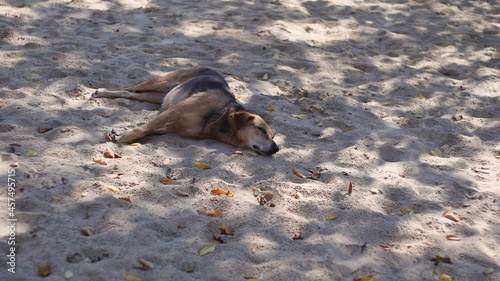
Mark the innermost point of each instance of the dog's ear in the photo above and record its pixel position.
(241, 118)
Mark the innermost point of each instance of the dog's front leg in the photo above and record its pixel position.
(161, 124)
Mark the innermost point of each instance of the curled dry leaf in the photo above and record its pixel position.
(298, 196)
(87, 231)
(298, 174)
(181, 193)
(101, 162)
(211, 213)
(44, 270)
(445, 277)
(43, 130)
(125, 198)
(298, 236)
(450, 215)
(128, 277)
(226, 229)
(112, 189)
(145, 264)
(206, 250)
(444, 259)
(264, 197)
(452, 237)
(107, 137)
(201, 165)
(166, 181)
(217, 240)
(270, 107)
(110, 154)
(220, 191)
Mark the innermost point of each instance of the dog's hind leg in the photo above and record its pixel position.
(161, 124)
(152, 97)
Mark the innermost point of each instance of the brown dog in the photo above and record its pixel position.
(195, 103)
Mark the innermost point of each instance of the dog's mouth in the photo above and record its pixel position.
(273, 149)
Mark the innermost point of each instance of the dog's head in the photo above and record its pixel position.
(254, 133)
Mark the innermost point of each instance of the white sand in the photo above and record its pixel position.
(359, 64)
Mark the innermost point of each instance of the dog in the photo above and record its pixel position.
(195, 103)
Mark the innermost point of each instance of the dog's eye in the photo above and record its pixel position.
(263, 130)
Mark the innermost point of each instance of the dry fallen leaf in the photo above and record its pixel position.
(368, 277)
(314, 175)
(444, 277)
(349, 190)
(331, 217)
(270, 107)
(87, 231)
(263, 197)
(125, 198)
(201, 165)
(166, 181)
(450, 215)
(107, 137)
(211, 213)
(251, 278)
(407, 211)
(253, 153)
(437, 259)
(100, 162)
(135, 144)
(386, 248)
(375, 191)
(421, 96)
(346, 129)
(452, 237)
(112, 189)
(436, 152)
(128, 277)
(297, 173)
(145, 264)
(238, 152)
(44, 270)
(298, 236)
(206, 250)
(57, 199)
(110, 154)
(181, 193)
(31, 154)
(219, 191)
(217, 240)
(43, 130)
(226, 229)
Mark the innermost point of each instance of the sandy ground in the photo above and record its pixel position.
(376, 86)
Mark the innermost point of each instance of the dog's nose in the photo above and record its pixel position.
(274, 148)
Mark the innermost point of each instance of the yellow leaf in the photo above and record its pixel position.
(421, 96)
(38, 82)
(166, 181)
(407, 211)
(436, 152)
(31, 154)
(445, 277)
(346, 129)
(57, 199)
(364, 278)
(206, 250)
(302, 98)
(331, 217)
(270, 107)
(44, 270)
(128, 277)
(419, 116)
(220, 191)
(300, 116)
(253, 153)
(135, 144)
(226, 229)
(201, 165)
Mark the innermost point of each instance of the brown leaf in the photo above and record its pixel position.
(251, 278)
(297, 173)
(298, 236)
(452, 237)
(107, 137)
(211, 213)
(108, 153)
(349, 190)
(44, 270)
(145, 264)
(444, 259)
(217, 240)
(314, 175)
(450, 215)
(43, 130)
(226, 230)
(100, 162)
(386, 248)
(87, 231)
(125, 198)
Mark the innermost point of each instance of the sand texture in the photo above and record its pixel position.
(398, 98)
